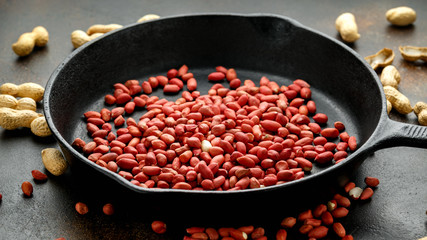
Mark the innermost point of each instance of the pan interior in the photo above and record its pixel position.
(280, 49)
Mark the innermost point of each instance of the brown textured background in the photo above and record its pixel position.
(397, 210)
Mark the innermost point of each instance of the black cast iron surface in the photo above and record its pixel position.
(397, 210)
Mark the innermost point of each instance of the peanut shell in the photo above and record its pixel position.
(53, 161)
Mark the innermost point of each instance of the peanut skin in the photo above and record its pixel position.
(346, 26)
(26, 42)
(11, 119)
(53, 161)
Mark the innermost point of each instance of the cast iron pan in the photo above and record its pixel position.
(343, 84)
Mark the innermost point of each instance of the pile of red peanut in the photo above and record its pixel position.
(230, 139)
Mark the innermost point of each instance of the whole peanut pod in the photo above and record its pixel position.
(79, 37)
(346, 26)
(26, 103)
(390, 76)
(53, 161)
(40, 128)
(31, 90)
(399, 101)
(8, 101)
(26, 42)
(11, 119)
(420, 110)
(9, 88)
(148, 17)
(99, 28)
(401, 16)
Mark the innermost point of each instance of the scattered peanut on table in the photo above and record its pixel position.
(27, 188)
(382, 58)
(38, 176)
(11, 119)
(401, 16)
(10, 101)
(81, 208)
(390, 76)
(26, 42)
(108, 209)
(26, 103)
(158, 227)
(399, 101)
(40, 128)
(53, 161)
(412, 53)
(420, 110)
(347, 27)
(29, 89)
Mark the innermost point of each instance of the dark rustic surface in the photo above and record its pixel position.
(397, 210)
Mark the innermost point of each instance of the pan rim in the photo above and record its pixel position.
(116, 177)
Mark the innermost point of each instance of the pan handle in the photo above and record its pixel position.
(393, 134)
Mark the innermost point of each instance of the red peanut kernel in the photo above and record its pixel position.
(372, 181)
(349, 186)
(108, 209)
(281, 234)
(39, 176)
(81, 208)
(339, 229)
(288, 222)
(318, 232)
(27, 188)
(158, 227)
(366, 194)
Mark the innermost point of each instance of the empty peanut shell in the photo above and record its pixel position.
(411, 53)
(382, 58)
